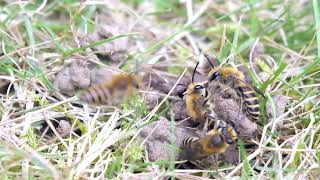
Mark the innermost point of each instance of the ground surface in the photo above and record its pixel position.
(51, 51)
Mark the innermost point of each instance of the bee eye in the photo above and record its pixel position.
(197, 87)
(214, 76)
(229, 141)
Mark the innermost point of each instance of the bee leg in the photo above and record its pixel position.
(205, 127)
(197, 163)
(211, 121)
(241, 105)
(216, 159)
(218, 124)
(225, 133)
(241, 108)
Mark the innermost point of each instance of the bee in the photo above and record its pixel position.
(216, 141)
(196, 97)
(111, 91)
(236, 79)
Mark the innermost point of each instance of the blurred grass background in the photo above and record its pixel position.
(37, 36)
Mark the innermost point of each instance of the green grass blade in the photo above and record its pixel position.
(94, 44)
(276, 74)
(29, 30)
(317, 20)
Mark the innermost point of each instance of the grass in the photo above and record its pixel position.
(38, 37)
(317, 20)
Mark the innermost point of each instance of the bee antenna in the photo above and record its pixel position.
(194, 72)
(181, 85)
(208, 59)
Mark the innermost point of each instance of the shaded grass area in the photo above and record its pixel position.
(279, 39)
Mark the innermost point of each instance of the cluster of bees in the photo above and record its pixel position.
(219, 135)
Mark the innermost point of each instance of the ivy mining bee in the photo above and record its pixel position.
(235, 79)
(111, 91)
(196, 96)
(216, 141)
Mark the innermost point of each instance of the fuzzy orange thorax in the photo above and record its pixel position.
(228, 72)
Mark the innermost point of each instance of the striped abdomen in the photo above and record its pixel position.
(97, 94)
(113, 91)
(251, 102)
(192, 149)
(188, 140)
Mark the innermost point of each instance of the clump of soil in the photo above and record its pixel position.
(81, 74)
(226, 107)
(162, 134)
(162, 83)
(179, 109)
(115, 50)
(152, 98)
(64, 127)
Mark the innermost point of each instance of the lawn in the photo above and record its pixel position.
(55, 124)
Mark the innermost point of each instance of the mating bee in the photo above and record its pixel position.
(196, 98)
(236, 79)
(216, 140)
(112, 91)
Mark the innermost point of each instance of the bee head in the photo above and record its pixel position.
(199, 88)
(196, 88)
(135, 82)
(214, 74)
(229, 134)
(216, 141)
